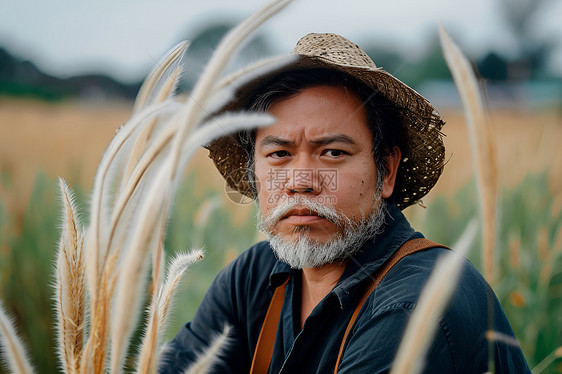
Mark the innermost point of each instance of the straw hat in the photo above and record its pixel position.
(422, 157)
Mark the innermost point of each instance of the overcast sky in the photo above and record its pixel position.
(124, 37)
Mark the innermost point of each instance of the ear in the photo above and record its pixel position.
(392, 162)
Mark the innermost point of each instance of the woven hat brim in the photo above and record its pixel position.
(423, 152)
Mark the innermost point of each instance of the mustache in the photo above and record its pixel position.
(324, 211)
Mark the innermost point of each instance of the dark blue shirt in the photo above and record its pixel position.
(240, 296)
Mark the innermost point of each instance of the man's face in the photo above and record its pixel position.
(320, 150)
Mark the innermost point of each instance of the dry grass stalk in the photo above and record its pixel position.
(482, 143)
(70, 287)
(159, 307)
(206, 361)
(203, 90)
(152, 215)
(132, 279)
(166, 91)
(547, 361)
(430, 306)
(158, 199)
(548, 254)
(158, 261)
(172, 59)
(96, 244)
(145, 232)
(95, 351)
(10, 343)
(103, 294)
(171, 63)
(225, 89)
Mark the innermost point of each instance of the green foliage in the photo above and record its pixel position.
(531, 228)
(528, 265)
(27, 269)
(23, 90)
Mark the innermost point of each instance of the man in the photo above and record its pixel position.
(351, 147)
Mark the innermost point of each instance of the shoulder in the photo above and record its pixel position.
(405, 281)
(461, 337)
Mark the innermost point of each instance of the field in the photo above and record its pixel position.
(68, 140)
(39, 142)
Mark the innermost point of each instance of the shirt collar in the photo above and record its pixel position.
(395, 231)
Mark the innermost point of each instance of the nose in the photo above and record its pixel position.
(303, 180)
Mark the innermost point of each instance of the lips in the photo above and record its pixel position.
(300, 212)
(301, 216)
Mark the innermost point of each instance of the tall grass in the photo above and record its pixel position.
(482, 144)
(440, 286)
(131, 201)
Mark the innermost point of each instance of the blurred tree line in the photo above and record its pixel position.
(529, 60)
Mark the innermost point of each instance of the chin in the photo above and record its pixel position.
(306, 231)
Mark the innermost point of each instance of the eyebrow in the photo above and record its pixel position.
(274, 140)
(339, 138)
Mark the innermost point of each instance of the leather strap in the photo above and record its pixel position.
(266, 340)
(411, 246)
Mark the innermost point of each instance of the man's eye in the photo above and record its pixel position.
(334, 152)
(279, 154)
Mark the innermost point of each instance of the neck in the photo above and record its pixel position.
(316, 284)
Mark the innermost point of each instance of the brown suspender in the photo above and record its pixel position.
(266, 340)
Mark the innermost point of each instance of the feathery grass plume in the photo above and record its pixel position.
(210, 357)
(129, 223)
(547, 361)
(169, 63)
(181, 152)
(204, 89)
(224, 91)
(482, 142)
(95, 351)
(132, 278)
(101, 270)
(151, 215)
(150, 93)
(159, 307)
(204, 86)
(14, 350)
(70, 287)
(432, 302)
(96, 250)
(149, 159)
(158, 264)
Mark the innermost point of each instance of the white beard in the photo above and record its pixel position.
(305, 252)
